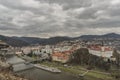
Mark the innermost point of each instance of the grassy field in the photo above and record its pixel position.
(79, 70)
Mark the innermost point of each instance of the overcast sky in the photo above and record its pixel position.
(48, 18)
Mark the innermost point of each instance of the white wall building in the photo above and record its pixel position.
(104, 51)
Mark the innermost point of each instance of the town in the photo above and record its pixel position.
(77, 57)
(59, 39)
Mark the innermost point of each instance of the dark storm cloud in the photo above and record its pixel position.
(45, 18)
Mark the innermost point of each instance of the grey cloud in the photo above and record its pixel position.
(68, 4)
(45, 18)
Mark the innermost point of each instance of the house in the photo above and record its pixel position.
(62, 57)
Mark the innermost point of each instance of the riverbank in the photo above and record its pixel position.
(79, 70)
(36, 73)
(46, 68)
(39, 74)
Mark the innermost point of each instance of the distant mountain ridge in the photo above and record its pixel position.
(44, 41)
(109, 35)
(26, 41)
(13, 42)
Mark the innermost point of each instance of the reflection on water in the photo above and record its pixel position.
(21, 67)
(18, 64)
(14, 60)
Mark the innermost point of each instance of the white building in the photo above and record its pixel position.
(62, 49)
(102, 51)
(47, 49)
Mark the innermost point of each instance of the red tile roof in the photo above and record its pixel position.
(99, 48)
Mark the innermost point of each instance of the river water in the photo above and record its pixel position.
(32, 73)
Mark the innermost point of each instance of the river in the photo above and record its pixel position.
(32, 73)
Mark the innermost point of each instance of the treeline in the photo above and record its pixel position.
(117, 56)
(83, 57)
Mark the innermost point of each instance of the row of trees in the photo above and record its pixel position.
(117, 56)
(83, 57)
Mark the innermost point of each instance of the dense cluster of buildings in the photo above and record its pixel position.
(62, 52)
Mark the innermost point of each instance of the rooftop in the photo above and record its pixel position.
(100, 48)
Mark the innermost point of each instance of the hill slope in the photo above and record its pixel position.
(25, 41)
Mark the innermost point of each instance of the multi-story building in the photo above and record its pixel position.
(62, 57)
(102, 51)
